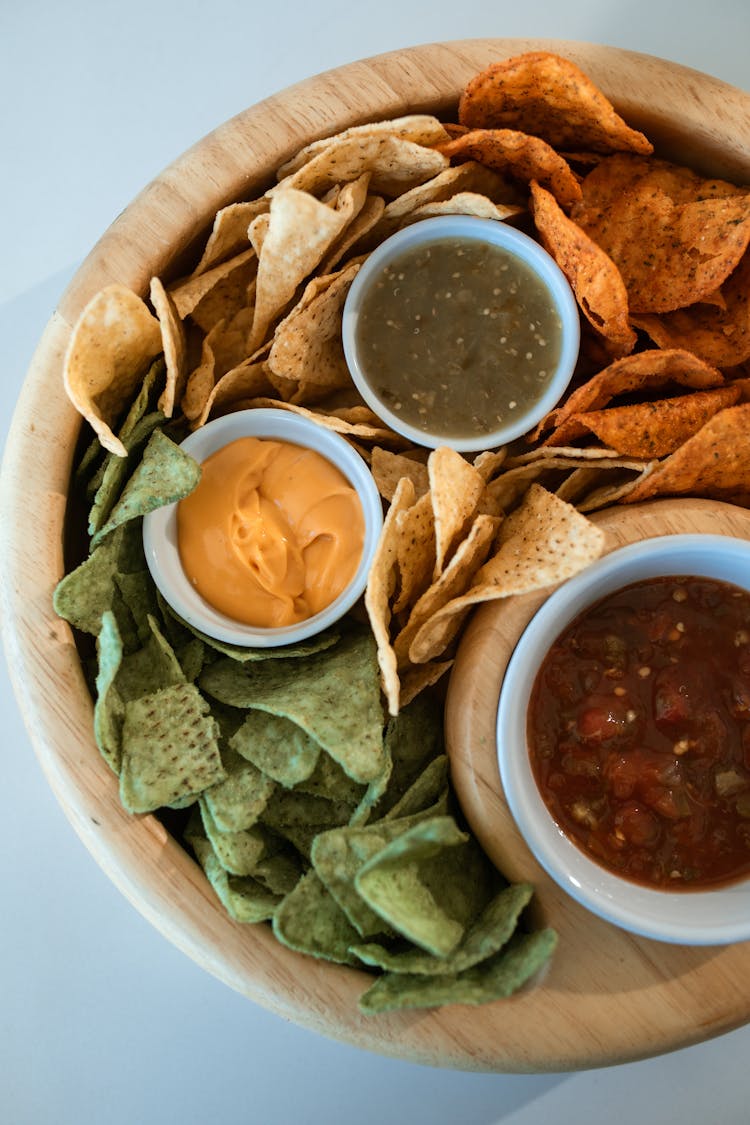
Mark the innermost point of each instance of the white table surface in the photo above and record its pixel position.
(101, 1019)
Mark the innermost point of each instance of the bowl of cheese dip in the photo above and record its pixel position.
(275, 542)
(461, 331)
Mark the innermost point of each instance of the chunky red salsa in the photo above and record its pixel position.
(639, 732)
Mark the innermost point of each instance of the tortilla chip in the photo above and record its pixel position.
(235, 273)
(542, 543)
(174, 346)
(421, 128)
(395, 163)
(307, 351)
(300, 231)
(593, 276)
(674, 236)
(380, 586)
(656, 429)
(714, 462)
(415, 551)
(550, 97)
(456, 488)
(717, 332)
(388, 468)
(521, 156)
(640, 372)
(229, 233)
(464, 203)
(111, 346)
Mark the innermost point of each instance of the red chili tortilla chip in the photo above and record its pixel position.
(714, 462)
(674, 236)
(636, 373)
(542, 93)
(594, 277)
(718, 332)
(521, 156)
(656, 429)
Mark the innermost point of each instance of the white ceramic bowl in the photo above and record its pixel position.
(481, 230)
(160, 527)
(706, 917)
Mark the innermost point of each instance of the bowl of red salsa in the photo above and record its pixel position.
(623, 736)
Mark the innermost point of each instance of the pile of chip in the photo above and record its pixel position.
(329, 813)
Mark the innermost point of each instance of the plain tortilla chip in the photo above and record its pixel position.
(112, 344)
(542, 93)
(307, 353)
(714, 462)
(174, 346)
(300, 231)
(380, 586)
(542, 543)
(421, 128)
(229, 233)
(456, 488)
(593, 276)
(415, 551)
(387, 469)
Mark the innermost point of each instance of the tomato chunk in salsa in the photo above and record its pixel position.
(639, 732)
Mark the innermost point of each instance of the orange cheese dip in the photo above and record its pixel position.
(272, 534)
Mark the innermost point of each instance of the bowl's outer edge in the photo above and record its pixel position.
(149, 868)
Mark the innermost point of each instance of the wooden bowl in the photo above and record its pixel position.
(608, 997)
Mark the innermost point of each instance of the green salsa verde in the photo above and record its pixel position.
(458, 336)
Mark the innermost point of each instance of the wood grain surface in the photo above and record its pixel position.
(608, 997)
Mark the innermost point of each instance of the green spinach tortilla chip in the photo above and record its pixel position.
(169, 749)
(494, 979)
(245, 899)
(109, 709)
(338, 855)
(310, 921)
(392, 884)
(84, 595)
(277, 746)
(164, 475)
(237, 802)
(239, 853)
(150, 668)
(116, 470)
(486, 936)
(333, 695)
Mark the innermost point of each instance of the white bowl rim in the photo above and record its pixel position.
(718, 915)
(501, 234)
(160, 527)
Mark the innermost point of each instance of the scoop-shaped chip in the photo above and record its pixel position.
(542, 93)
(674, 236)
(110, 349)
(521, 156)
(593, 276)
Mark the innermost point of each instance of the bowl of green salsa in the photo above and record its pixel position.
(461, 331)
